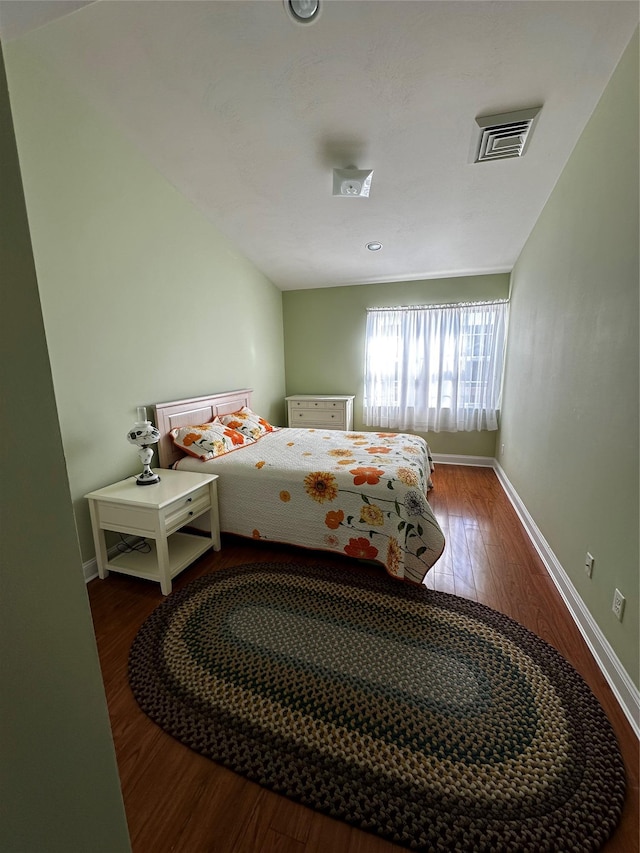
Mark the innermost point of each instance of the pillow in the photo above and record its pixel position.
(248, 423)
(206, 441)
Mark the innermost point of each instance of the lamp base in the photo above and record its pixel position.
(147, 478)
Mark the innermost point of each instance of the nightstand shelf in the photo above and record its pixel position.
(183, 549)
(157, 513)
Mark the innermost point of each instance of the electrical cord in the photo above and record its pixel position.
(140, 545)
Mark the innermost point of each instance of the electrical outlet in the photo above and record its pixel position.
(502, 449)
(618, 604)
(588, 564)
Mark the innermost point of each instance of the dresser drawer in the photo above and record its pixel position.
(321, 418)
(185, 508)
(318, 404)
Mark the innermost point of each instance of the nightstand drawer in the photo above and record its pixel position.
(179, 512)
(128, 519)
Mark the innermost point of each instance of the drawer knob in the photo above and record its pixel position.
(191, 512)
(189, 500)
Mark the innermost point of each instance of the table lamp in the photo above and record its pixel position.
(143, 434)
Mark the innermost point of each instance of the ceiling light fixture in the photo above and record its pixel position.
(303, 11)
(352, 183)
(374, 246)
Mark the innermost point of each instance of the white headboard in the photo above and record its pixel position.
(196, 410)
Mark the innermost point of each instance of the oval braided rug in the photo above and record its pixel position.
(432, 720)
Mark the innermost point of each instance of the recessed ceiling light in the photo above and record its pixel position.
(303, 11)
(374, 246)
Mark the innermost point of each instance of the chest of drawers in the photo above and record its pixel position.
(320, 411)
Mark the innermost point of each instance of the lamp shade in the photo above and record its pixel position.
(143, 433)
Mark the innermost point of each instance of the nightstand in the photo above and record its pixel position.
(157, 513)
(320, 411)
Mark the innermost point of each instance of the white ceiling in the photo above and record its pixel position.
(247, 113)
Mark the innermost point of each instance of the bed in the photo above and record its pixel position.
(362, 494)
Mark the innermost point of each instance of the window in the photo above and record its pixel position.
(435, 368)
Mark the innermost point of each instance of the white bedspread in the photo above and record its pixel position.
(360, 494)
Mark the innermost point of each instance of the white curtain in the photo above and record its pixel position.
(435, 368)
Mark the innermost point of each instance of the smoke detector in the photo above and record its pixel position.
(352, 183)
(504, 136)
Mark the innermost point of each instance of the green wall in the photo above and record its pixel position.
(570, 408)
(143, 300)
(324, 340)
(59, 788)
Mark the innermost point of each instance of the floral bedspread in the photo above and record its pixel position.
(360, 494)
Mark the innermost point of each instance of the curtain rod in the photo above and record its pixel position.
(440, 305)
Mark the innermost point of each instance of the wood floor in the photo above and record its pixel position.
(176, 800)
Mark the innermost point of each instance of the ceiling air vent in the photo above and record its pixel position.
(505, 135)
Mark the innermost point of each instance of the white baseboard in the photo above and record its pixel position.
(623, 687)
(461, 459)
(90, 567)
(90, 570)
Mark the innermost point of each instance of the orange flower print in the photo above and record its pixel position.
(332, 540)
(409, 449)
(256, 534)
(216, 446)
(265, 425)
(372, 515)
(370, 476)
(346, 462)
(378, 450)
(234, 424)
(334, 519)
(290, 443)
(394, 553)
(190, 438)
(321, 486)
(235, 436)
(285, 497)
(407, 476)
(340, 452)
(356, 435)
(361, 548)
(386, 434)
(260, 464)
